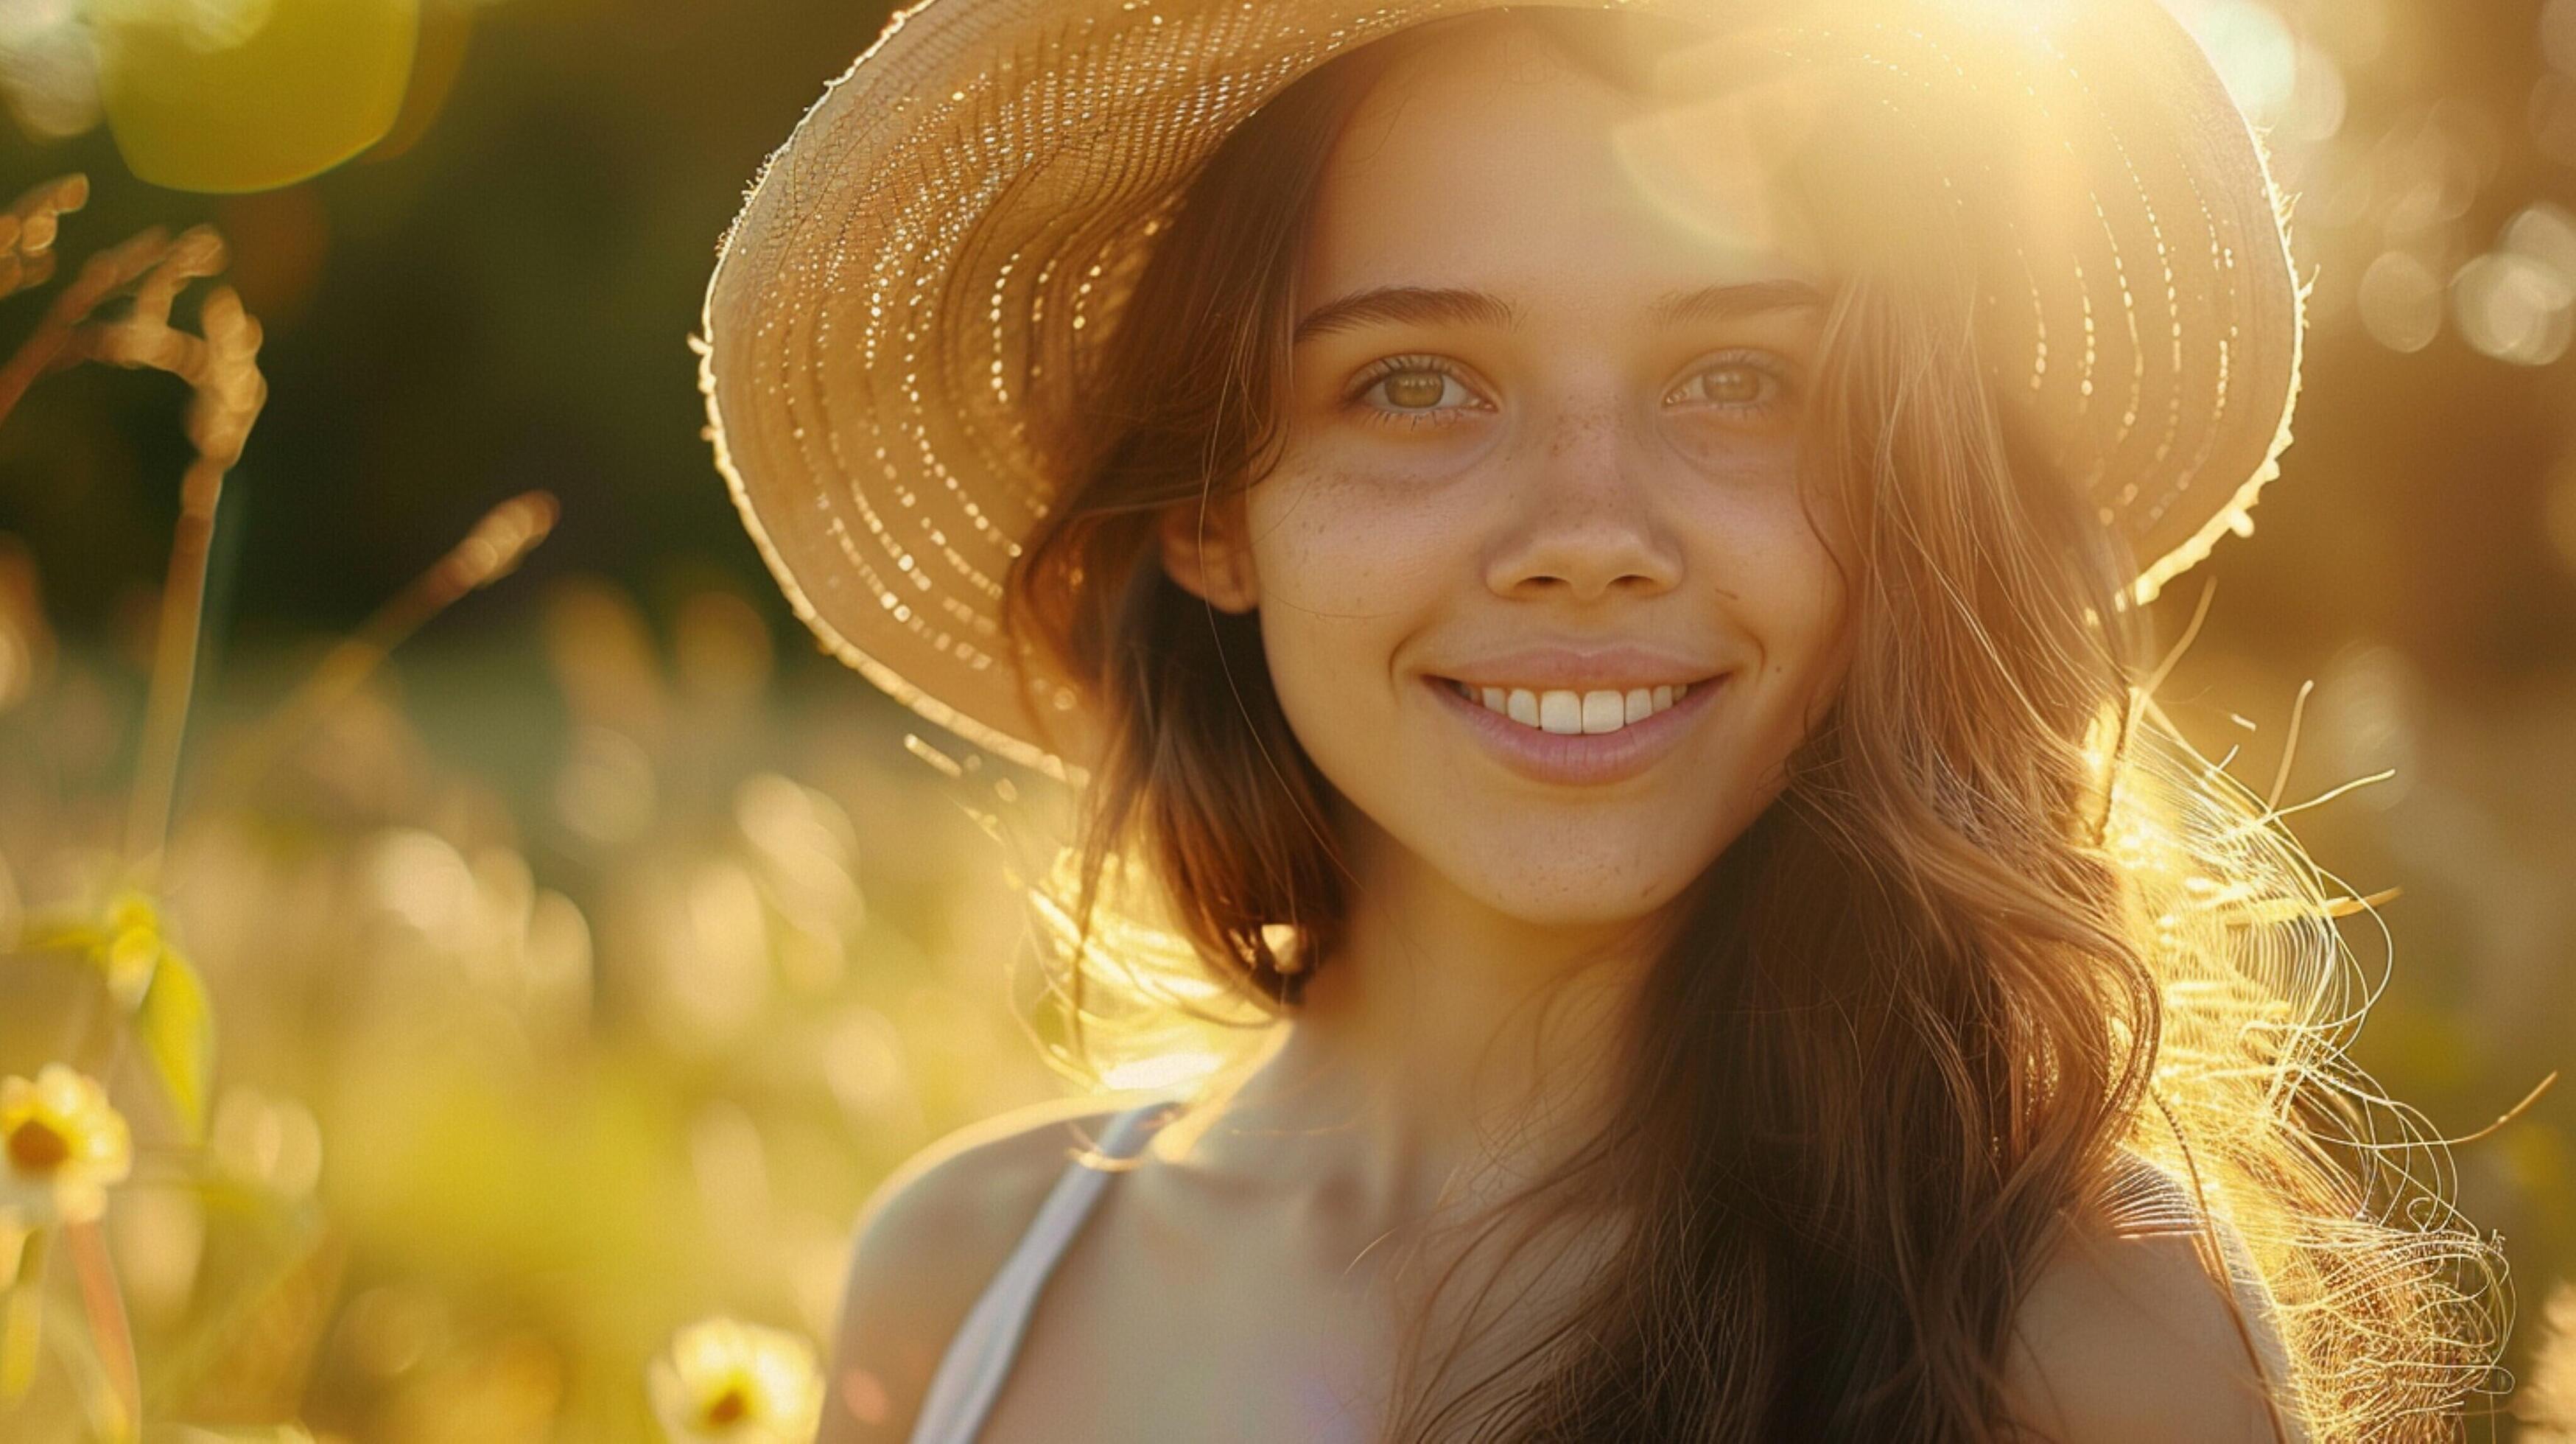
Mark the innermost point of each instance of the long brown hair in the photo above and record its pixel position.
(2001, 927)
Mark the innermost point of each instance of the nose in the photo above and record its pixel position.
(1582, 523)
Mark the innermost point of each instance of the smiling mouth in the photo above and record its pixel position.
(1567, 711)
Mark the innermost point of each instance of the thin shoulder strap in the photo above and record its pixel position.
(979, 1358)
(2142, 1200)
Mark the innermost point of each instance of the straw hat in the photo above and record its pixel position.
(924, 270)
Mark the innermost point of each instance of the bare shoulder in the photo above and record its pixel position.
(2133, 1333)
(929, 1240)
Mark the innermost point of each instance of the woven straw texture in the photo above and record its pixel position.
(922, 277)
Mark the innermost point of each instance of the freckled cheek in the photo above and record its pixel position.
(1348, 576)
(1760, 552)
(1810, 592)
(1363, 551)
(1810, 656)
(1764, 456)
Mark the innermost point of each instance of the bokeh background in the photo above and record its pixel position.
(581, 971)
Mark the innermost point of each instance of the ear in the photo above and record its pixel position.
(1205, 550)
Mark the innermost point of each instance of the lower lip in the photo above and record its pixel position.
(1578, 759)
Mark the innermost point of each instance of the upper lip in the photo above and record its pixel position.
(1622, 668)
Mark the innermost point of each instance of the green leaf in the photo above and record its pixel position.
(177, 1026)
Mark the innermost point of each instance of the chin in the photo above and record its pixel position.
(1573, 886)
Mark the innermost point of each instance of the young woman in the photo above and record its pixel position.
(1590, 566)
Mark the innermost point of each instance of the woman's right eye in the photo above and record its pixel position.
(1410, 392)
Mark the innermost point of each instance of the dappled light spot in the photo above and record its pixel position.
(244, 95)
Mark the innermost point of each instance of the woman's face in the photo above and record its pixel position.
(1538, 587)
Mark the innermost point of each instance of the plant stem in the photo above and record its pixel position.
(495, 547)
(26, 1319)
(101, 277)
(105, 1304)
(174, 667)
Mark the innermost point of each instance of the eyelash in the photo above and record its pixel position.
(1411, 418)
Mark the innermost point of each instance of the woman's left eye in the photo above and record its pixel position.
(1736, 384)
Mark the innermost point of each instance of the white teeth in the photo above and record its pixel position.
(1567, 712)
(1604, 711)
(1560, 712)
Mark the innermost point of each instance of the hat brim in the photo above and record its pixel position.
(922, 274)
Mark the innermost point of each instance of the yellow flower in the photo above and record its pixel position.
(126, 946)
(61, 1146)
(725, 1380)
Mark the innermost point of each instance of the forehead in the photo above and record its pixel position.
(1492, 160)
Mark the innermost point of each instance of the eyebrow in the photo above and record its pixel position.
(1727, 303)
(1433, 305)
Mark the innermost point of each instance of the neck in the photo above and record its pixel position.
(1445, 1051)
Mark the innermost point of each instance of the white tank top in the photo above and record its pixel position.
(2142, 1200)
(978, 1360)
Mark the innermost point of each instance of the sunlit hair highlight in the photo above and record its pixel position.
(2008, 958)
